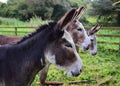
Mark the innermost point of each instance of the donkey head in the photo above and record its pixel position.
(75, 28)
(92, 35)
(64, 57)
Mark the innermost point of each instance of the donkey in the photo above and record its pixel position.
(36, 51)
(92, 35)
(76, 30)
(8, 39)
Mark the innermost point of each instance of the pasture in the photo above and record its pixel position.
(102, 69)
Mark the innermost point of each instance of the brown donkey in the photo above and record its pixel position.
(9, 39)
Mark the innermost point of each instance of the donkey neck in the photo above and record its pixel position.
(36, 41)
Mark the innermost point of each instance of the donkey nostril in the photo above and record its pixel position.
(86, 48)
(94, 53)
(80, 70)
(75, 74)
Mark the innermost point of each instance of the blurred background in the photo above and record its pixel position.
(19, 17)
(106, 12)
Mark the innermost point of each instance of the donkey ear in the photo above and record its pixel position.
(94, 29)
(66, 18)
(78, 13)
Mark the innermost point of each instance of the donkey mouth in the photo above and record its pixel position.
(93, 54)
(86, 48)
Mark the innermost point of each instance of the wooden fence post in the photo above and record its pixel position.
(16, 31)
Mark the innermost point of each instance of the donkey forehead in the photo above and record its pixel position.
(79, 24)
(92, 37)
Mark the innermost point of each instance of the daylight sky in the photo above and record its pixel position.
(4, 1)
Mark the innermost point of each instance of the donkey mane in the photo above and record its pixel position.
(39, 29)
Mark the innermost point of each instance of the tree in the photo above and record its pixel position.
(46, 9)
(107, 13)
(26, 9)
(116, 6)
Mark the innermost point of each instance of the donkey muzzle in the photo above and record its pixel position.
(93, 53)
(76, 73)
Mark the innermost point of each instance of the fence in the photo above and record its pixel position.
(110, 35)
(25, 30)
(16, 31)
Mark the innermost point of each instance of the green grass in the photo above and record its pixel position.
(102, 68)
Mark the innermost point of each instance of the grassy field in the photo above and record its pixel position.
(100, 70)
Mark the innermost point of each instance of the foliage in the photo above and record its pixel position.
(10, 22)
(116, 6)
(108, 14)
(26, 9)
(50, 9)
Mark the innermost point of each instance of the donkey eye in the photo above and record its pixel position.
(75, 20)
(68, 45)
(92, 40)
(79, 29)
